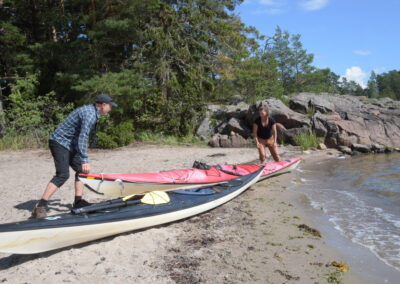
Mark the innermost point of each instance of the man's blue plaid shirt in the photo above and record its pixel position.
(73, 132)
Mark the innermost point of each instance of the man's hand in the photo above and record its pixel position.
(86, 168)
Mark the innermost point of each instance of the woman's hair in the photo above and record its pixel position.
(262, 106)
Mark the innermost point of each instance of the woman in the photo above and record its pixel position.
(265, 134)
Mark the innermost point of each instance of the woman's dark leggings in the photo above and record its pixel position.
(63, 159)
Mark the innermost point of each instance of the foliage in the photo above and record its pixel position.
(319, 81)
(292, 59)
(31, 119)
(258, 78)
(350, 88)
(134, 94)
(389, 84)
(13, 141)
(372, 89)
(162, 61)
(113, 136)
(306, 140)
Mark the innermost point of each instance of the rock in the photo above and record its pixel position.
(235, 100)
(239, 127)
(378, 148)
(227, 141)
(345, 149)
(290, 134)
(318, 124)
(340, 120)
(214, 140)
(322, 146)
(361, 148)
(306, 101)
(222, 114)
(355, 153)
(284, 115)
(224, 141)
(205, 129)
(239, 141)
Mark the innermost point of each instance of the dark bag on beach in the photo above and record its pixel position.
(201, 165)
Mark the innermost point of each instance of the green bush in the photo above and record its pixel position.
(306, 140)
(30, 119)
(110, 136)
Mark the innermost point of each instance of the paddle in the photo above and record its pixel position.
(152, 198)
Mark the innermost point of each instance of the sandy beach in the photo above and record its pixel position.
(262, 236)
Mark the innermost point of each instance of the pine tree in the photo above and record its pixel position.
(372, 86)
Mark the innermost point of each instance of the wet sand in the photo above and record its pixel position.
(262, 236)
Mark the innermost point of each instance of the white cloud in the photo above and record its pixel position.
(272, 11)
(356, 74)
(362, 52)
(313, 5)
(275, 7)
(269, 2)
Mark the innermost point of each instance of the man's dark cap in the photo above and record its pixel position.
(104, 98)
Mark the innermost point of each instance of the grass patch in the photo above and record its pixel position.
(160, 138)
(19, 142)
(306, 140)
(285, 100)
(311, 111)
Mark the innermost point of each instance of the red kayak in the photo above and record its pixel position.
(118, 185)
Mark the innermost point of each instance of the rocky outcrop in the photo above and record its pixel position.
(340, 121)
(349, 120)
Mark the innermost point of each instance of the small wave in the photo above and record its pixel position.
(388, 217)
(300, 170)
(384, 245)
(317, 205)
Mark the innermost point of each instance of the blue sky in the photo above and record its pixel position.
(351, 37)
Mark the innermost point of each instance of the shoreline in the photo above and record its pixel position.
(362, 259)
(254, 238)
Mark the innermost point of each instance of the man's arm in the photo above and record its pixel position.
(87, 124)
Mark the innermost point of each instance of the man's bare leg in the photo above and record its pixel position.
(79, 186)
(51, 188)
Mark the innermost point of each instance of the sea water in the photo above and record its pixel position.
(361, 198)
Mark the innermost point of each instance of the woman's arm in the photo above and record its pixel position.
(255, 128)
(274, 133)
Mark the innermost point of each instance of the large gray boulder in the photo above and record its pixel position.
(306, 101)
(234, 126)
(282, 114)
(230, 141)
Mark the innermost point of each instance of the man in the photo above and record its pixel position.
(68, 146)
